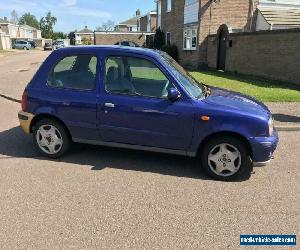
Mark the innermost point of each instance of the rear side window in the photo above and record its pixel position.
(74, 72)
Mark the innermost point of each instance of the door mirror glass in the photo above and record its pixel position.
(173, 94)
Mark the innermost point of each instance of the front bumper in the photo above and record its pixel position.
(263, 148)
(25, 121)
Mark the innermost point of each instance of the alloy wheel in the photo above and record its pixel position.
(224, 159)
(49, 139)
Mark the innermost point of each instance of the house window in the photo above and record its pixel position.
(190, 39)
(190, 2)
(168, 38)
(169, 5)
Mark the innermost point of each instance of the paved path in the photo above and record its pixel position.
(97, 198)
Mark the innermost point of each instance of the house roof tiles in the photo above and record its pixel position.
(281, 16)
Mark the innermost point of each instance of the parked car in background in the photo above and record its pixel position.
(32, 44)
(48, 46)
(127, 43)
(58, 44)
(142, 99)
(21, 44)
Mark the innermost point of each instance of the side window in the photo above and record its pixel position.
(135, 76)
(74, 72)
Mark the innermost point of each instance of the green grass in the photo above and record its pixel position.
(264, 90)
(148, 73)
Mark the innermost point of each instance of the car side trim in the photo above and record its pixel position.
(25, 121)
(261, 164)
(136, 147)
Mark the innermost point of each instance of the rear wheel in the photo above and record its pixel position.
(226, 158)
(51, 138)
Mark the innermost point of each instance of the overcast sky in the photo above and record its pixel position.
(75, 14)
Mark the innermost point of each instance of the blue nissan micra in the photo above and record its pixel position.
(142, 99)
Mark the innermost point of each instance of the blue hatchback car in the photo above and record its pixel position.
(142, 99)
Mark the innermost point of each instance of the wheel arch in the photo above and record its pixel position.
(225, 133)
(43, 116)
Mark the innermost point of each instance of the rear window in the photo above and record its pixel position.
(74, 72)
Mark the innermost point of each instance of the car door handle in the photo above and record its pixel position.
(109, 105)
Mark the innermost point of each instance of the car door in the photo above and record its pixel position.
(134, 108)
(18, 45)
(71, 93)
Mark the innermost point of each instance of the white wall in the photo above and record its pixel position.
(5, 42)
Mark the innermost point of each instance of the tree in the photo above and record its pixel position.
(109, 25)
(58, 35)
(159, 39)
(46, 24)
(14, 17)
(30, 20)
(71, 36)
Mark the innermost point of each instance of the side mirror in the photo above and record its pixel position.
(173, 94)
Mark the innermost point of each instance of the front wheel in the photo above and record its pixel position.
(51, 138)
(226, 158)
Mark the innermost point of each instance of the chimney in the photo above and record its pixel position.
(138, 13)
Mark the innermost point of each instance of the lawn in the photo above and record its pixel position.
(264, 90)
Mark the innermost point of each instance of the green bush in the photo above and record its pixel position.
(86, 41)
(159, 39)
(172, 50)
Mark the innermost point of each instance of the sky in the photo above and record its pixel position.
(75, 14)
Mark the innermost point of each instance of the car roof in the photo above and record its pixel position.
(92, 48)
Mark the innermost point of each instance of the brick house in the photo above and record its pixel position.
(147, 22)
(187, 24)
(129, 25)
(19, 31)
(84, 36)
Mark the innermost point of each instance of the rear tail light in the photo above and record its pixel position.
(24, 101)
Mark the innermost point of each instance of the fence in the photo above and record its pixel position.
(270, 54)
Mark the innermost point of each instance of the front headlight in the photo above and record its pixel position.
(271, 126)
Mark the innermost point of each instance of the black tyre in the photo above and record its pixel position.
(226, 158)
(51, 138)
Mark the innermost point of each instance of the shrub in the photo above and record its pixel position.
(159, 39)
(172, 50)
(86, 41)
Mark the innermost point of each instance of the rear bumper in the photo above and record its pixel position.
(25, 121)
(263, 148)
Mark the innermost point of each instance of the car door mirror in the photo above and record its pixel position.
(173, 94)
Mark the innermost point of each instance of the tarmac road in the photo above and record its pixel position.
(98, 197)
(17, 69)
